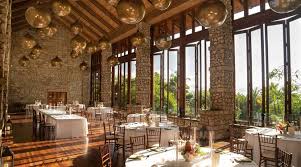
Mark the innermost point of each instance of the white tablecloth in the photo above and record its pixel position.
(101, 110)
(168, 159)
(291, 144)
(168, 132)
(69, 126)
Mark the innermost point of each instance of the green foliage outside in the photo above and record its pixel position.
(276, 98)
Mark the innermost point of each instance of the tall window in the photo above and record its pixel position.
(133, 82)
(95, 78)
(267, 70)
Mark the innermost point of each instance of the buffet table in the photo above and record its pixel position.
(167, 158)
(289, 143)
(168, 131)
(69, 126)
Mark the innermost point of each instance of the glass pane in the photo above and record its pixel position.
(276, 73)
(295, 40)
(165, 104)
(156, 82)
(256, 75)
(241, 77)
(172, 87)
(254, 6)
(126, 84)
(190, 81)
(116, 85)
(133, 82)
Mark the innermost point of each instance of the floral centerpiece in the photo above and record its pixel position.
(281, 127)
(190, 151)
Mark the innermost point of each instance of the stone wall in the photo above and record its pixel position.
(222, 90)
(33, 82)
(5, 52)
(143, 66)
(106, 78)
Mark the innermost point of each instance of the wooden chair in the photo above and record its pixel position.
(137, 143)
(120, 143)
(267, 149)
(109, 133)
(185, 133)
(106, 160)
(240, 147)
(237, 132)
(47, 130)
(284, 158)
(153, 136)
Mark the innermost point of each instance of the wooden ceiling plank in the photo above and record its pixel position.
(97, 16)
(105, 11)
(82, 14)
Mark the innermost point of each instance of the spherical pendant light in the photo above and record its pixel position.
(75, 54)
(163, 42)
(24, 61)
(104, 44)
(36, 52)
(284, 6)
(138, 40)
(211, 13)
(91, 48)
(78, 43)
(112, 2)
(28, 42)
(83, 66)
(56, 62)
(161, 4)
(61, 7)
(48, 31)
(76, 28)
(37, 17)
(112, 60)
(130, 11)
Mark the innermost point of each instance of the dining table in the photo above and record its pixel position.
(102, 111)
(69, 126)
(169, 131)
(170, 157)
(285, 142)
(140, 117)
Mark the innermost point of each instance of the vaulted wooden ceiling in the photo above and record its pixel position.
(99, 18)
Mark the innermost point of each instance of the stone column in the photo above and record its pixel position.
(106, 78)
(5, 47)
(143, 71)
(222, 91)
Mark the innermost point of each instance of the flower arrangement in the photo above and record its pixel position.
(190, 151)
(281, 127)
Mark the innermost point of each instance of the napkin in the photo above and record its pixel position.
(137, 157)
(242, 159)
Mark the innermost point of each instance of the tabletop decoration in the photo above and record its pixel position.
(191, 151)
(281, 127)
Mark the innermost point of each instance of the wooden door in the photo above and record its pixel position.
(54, 98)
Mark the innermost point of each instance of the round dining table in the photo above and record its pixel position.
(136, 117)
(288, 143)
(169, 131)
(167, 157)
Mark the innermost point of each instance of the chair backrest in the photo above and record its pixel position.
(107, 128)
(119, 133)
(105, 156)
(240, 146)
(153, 136)
(284, 158)
(267, 143)
(185, 132)
(137, 143)
(236, 132)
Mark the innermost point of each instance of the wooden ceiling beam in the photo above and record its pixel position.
(105, 11)
(96, 16)
(86, 18)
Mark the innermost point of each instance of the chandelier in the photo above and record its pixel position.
(164, 40)
(61, 7)
(133, 11)
(112, 60)
(48, 31)
(138, 39)
(284, 6)
(83, 66)
(76, 28)
(211, 13)
(104, 44)
(91, 48)
(24, 61)
(28, 41)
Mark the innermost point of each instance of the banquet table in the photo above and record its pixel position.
(69, 126)
(103, 111)
(168, 131)
(289, 143)
(167, 158)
